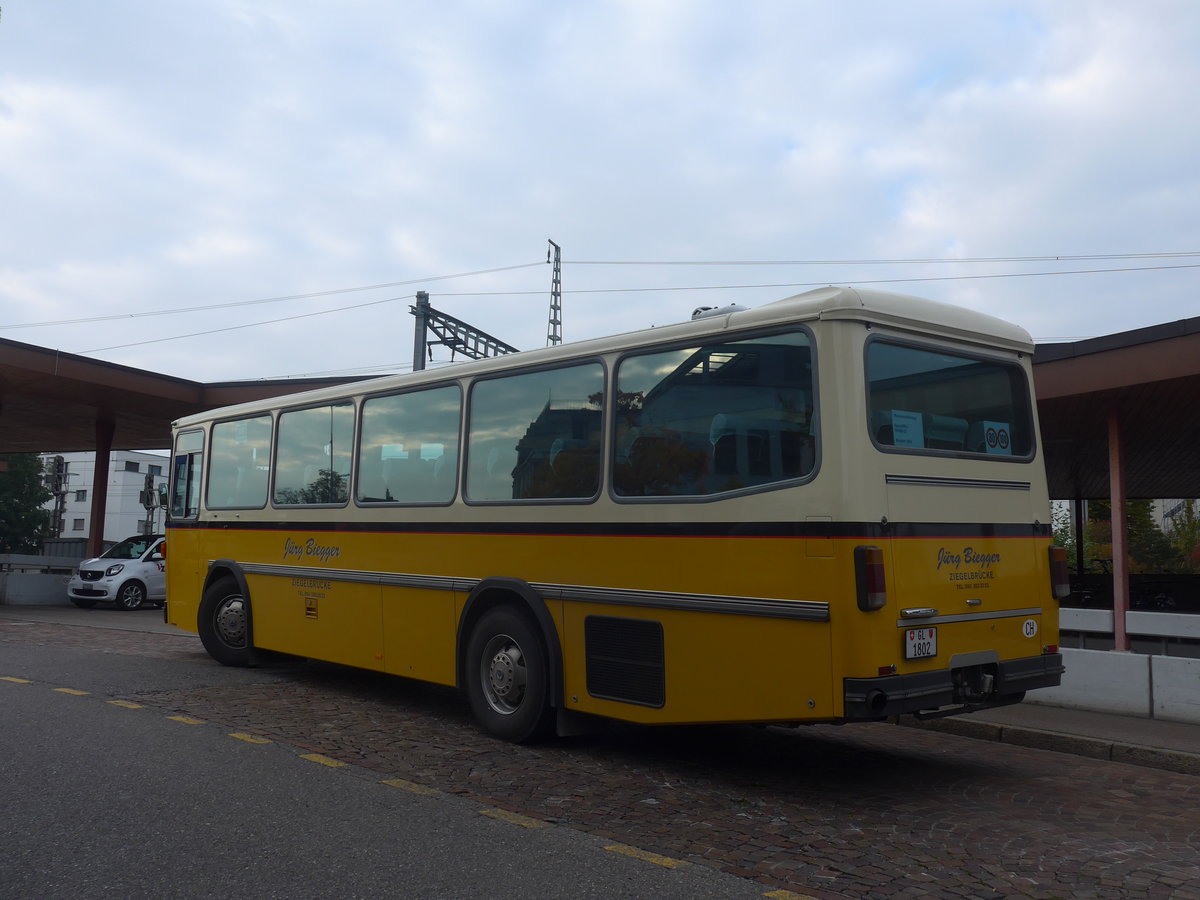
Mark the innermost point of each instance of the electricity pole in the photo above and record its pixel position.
(453, 333)
(554, 333)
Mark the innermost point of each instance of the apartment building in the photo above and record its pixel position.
(72, 477)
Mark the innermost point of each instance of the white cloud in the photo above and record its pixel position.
(159, 157)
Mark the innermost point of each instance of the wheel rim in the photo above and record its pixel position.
(131, 596)
(503, 674)
(230, 621)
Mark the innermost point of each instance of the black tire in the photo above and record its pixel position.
(507, 677)
(224, 623)
(83, 602)
(130, 596)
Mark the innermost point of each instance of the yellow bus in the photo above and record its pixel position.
(829, 508)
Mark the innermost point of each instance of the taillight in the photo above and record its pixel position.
(1060, 579)
(869, 578)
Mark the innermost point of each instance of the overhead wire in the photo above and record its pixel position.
(633, 290)
(777, 262)
(799, 284)
(236, 303)
(1169, 254)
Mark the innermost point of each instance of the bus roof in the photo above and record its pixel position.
(824, 304)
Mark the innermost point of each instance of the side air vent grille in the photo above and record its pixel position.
(625, 660)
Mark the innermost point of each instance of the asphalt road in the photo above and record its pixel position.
(100, 798)
(106, 797)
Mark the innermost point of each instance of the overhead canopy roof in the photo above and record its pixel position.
(1150, 379)
(52, 401)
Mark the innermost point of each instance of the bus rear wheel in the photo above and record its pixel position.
(508, 677)
(224, 623)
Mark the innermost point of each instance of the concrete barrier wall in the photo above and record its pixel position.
(1176, 684)
(1129, 684)
(33, 589)
(1101, 680)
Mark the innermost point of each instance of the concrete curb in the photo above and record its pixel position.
(1057, 742)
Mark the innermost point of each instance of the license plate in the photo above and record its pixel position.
(920, 643)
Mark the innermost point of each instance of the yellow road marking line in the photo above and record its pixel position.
(323, 760)
(665, 861)
(126, 704)
(249, 738)
(514, 818)
(186, 720)
(15, 680)
(789, 895)
(409, 786)
(72, 692)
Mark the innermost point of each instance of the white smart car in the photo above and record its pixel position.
(128, 574)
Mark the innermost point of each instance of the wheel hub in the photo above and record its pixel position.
(230, 620)
(502, 671)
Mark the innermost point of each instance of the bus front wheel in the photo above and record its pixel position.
(224, 623)
(507, 677)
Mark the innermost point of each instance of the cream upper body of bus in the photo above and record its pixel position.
(829, 508)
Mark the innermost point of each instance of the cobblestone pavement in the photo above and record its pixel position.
(866, 811)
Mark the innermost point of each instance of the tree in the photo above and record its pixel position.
(1064, 534)
(24, 524)
(1185, 536)
(328, 487)
(1150, 551)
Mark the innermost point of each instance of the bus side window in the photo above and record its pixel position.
(409, 447)
(239, 464)
(703, 420)
(536, 435)
(185, 474)
(312, 460)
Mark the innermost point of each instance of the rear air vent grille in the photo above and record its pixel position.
(625, 660)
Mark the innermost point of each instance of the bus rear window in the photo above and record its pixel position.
(924, 399)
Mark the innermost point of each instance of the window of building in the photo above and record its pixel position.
(77, 524)
(154, 470)
(81, 496)
(131, 466)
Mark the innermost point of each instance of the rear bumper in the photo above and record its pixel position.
(892, 695)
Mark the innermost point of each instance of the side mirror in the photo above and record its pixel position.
(162, 495)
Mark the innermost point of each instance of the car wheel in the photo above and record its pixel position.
(131, 596)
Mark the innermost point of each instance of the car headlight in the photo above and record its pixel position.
(114, 570)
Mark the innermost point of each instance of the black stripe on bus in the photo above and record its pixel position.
(838, 530)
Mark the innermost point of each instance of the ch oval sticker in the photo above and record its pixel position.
(1030, 628)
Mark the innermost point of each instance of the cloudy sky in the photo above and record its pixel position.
(164, 164)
